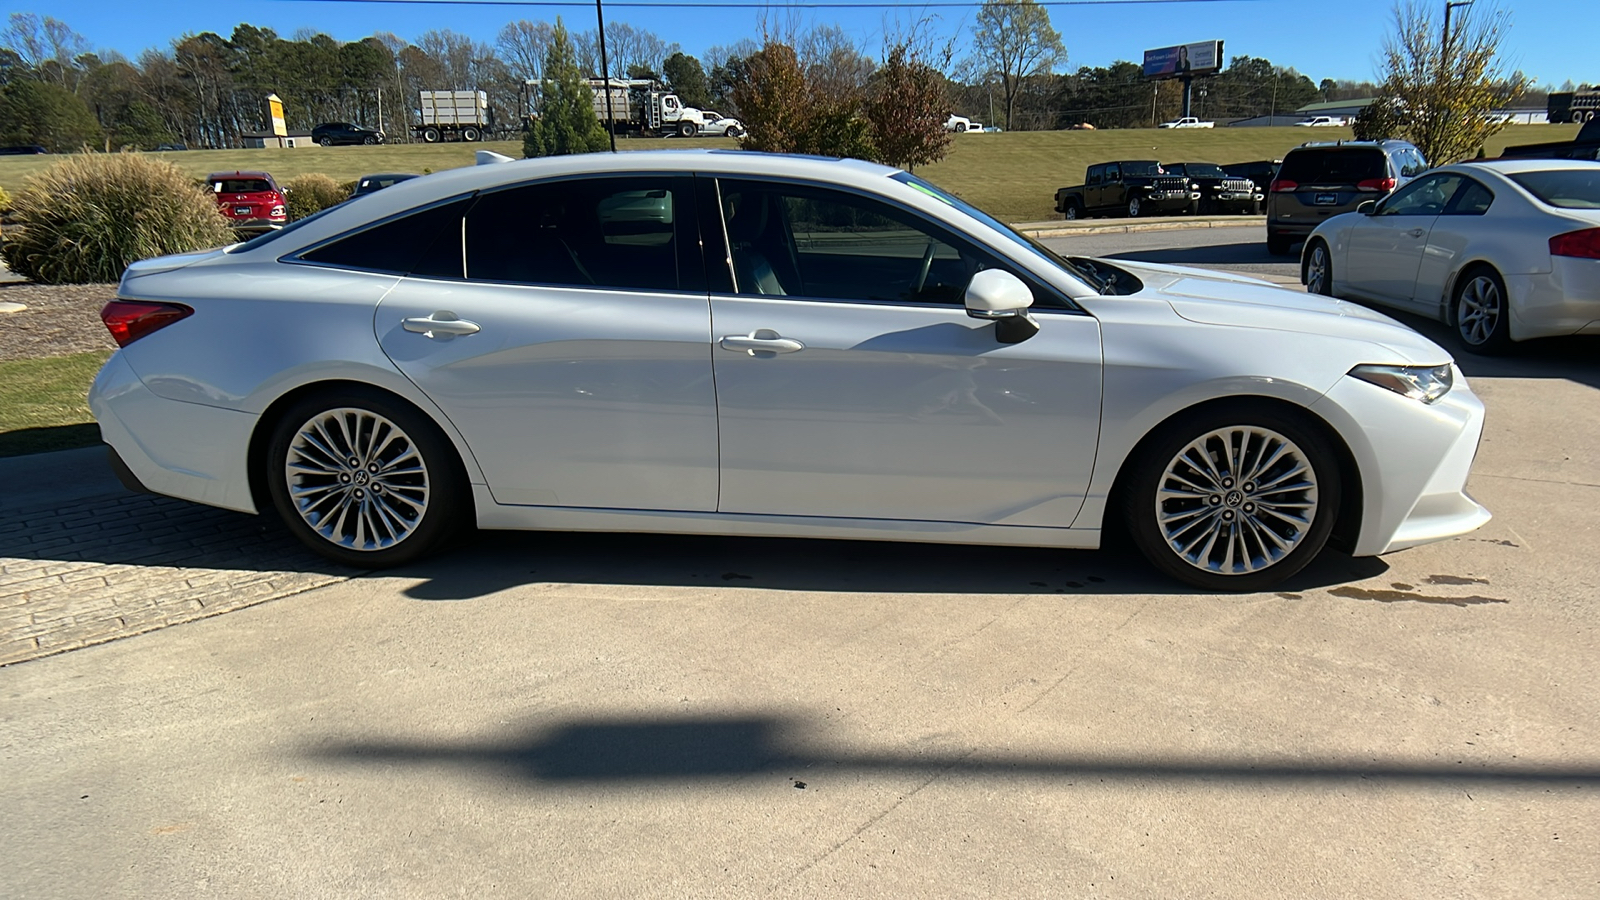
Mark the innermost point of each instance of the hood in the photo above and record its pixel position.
(1215, 298)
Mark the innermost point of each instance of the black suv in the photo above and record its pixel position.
(1130, 187)
(1321, 180)
(1220, 193)
(330, 133)
(1261, 171)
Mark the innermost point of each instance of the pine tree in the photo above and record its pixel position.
(566, 122)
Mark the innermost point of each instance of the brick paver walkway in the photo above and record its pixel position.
(105, 567)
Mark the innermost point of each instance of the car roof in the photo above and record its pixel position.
(1509, 166)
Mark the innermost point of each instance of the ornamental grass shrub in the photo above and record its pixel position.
(83, 220)
(312, 193)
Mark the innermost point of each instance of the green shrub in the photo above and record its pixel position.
(349, 187)
(312, 193)
(85, 219)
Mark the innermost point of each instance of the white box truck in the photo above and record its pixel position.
(452, 115)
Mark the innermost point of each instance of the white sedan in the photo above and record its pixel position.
(1502, 250)
(737, 343)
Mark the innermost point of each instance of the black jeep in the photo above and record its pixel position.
(1131, 188)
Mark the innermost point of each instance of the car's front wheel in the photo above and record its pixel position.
(365, 480)
(369, 140)
(1135, 206)
(1233, 498)
(1317, 273)
(1482, 315)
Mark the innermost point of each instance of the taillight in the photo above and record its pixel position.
(1376, 184)
(1583, 244)
(1284, 186)
(129, 320)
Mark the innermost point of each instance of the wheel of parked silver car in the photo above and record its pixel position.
(1481, 314)
(1133, 207)
(1234, 497)
(364, 479)
(1317, 272)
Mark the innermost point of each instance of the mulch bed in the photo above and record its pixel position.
(60, 319)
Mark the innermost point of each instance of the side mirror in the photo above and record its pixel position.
(998, 295)
(1367, 207)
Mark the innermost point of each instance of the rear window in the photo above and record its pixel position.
(1568, 189)
(1333, 165)
(240, 185)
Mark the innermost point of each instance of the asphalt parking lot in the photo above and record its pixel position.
(603, 715)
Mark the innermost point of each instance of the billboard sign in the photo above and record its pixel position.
(1204, 58)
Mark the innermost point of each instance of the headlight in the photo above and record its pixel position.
(1425, 383)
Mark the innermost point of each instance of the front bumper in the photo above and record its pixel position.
(1163, 201)
(1414, 460)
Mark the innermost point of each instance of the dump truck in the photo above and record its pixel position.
(453, 116)
(641, 106)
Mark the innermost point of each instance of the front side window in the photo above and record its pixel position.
(796, 241)
(1424, 197)
(616, 232)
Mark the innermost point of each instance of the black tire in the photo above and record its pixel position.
(1072, 211)
(1135, 206)
(383, 514)
(326, 142)
(1480, 311)
(1204, 540)
(431, 135)
(961, 127)
(1193, 209)
(687, 129)
(1279, 245)
(1316, 269)
(470, 134)
(734, 131)
(369, 140)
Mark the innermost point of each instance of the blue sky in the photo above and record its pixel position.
(1551, 40)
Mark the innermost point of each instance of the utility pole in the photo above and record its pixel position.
(605, 76)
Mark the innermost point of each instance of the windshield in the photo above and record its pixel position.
(1030, 244)
(1143, 167)
(1204, 170)
(1564, 188)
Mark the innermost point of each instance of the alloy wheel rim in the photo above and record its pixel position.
(1133, 208)
(1236, 500)
(1479, 312)
(357, 479)
(1318, 277)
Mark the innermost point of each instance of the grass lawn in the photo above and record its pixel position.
(44, 403)
(1012, 175)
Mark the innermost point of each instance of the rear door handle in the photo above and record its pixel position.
(441, 325)
(760, 342)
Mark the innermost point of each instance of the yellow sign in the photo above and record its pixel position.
(275, 106)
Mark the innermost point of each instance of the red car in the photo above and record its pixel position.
(252, 201)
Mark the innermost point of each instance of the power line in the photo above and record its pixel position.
(775, 5)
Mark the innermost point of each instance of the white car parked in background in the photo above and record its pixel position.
(1187, 122)
(715, 124)
(1320, 122)
(740, 343)
(962, 124)
(1502, 250)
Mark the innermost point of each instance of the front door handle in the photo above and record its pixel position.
(441, 325)
(761, 342)
(1416, 232)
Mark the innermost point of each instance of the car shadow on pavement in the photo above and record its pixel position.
(494, 561)
(699, 748)
(1575, 358)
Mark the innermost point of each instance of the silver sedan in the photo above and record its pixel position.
(1502, 251)
(718, 342)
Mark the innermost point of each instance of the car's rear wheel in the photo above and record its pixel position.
(365, 480)
(1072, 211)
(1482, 314)
(1233, 498)
(1317, 271)
(1134, 207)
(326, 142)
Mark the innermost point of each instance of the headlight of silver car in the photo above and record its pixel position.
(1425, 383)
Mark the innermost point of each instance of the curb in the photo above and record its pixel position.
(1131, 226)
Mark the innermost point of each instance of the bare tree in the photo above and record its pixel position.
(1449, 87)
(1014, 40)
(525, 45)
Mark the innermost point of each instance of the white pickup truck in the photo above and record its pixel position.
(1320, 122)
(1187, 122)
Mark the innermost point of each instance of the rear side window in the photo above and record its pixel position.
(1333, 165)
(618, 232)
(424, 242)
(1567, 189)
